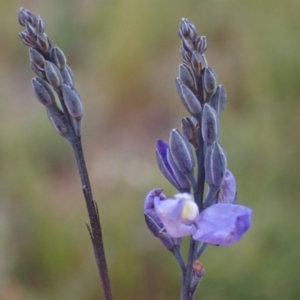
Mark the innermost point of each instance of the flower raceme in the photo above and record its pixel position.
(194, 160)
(219, 224)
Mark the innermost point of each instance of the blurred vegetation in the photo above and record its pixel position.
(125, 57)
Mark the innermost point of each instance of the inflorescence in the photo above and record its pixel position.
(54, 76)
(215, 219)
(55, 80)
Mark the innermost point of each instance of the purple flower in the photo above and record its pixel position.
(223, 224)
(219, 224)
(179, 214)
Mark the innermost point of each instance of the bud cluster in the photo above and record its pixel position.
(54, 76)
(205, 101)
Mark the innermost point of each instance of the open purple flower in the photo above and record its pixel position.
(219, 224)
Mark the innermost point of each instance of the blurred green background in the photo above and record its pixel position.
(125, 57)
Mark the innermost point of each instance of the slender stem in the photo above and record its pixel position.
(189, 268)
(201, 249)
(179, 258)
(96, 230)
(198, 196)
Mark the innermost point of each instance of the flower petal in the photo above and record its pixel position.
(174, 215)
(227, 191)
(223, 224)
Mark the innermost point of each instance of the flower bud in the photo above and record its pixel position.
(179, 176)
(67, 75)
(53, 74)
(31, 17)
(37, 70)
(37, 58)
(209, 80)
(22, 17)
(185, 55)
(187, 128)
(188, 99)
(43, 92)
(201, 44)
(163, 163)
(73, 101)
(58, 123)
(26, 39)
(43, 42)
(209, 124)
(198, 62)
(40, 25)
(215, 165)
(188, 45)
(181, 151)
(31, 30)
(189, 131)
(219, 99)
(58, 57)
(186, 76)
(187, 30)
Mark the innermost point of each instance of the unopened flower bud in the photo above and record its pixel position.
(73, 101)
(37, 58)
(26, 39)
(43, 42)
(209, 80)
(58, 57)
(37, 70)
(67, 75)
(31, 17)
(187, 30)
(219, 99)
(188, 45)
(58, 123)
(43, 92)
(189, 131)
(163, 163)
(40, 25)
(209, 124)
(186, 76)
(31, 30)
(23, 17)
(180, 177)
(201, 44)
(181, 151)
(185, 55)
(53, 74)
(187, 128)
(198, 62)
(188, 99)
(215, 165)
